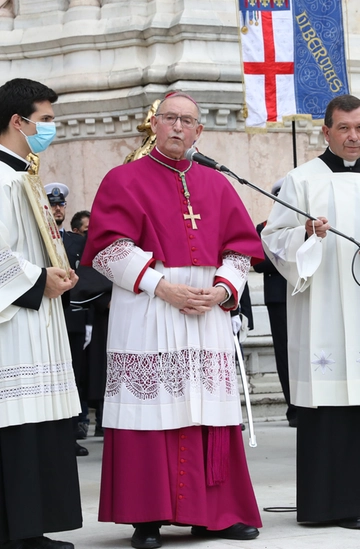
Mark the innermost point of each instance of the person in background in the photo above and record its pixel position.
(39, 486)
(173, 450)
(94, 292)
(77, 319)
(275, 301)
(80, 222)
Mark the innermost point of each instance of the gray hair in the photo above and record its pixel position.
(179, 93)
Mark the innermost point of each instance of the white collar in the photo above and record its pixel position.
(347, 163)
(8, 151)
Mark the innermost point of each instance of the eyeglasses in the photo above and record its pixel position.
(59, 204)
(170, 119)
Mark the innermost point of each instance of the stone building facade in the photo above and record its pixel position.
(109, 60)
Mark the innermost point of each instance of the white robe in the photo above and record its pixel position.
(167, 370)
(324, 318)
(36, 378)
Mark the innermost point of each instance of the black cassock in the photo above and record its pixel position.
(39, 487)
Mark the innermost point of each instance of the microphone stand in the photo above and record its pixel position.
(295, 209)
(286, 204)
(194, 154)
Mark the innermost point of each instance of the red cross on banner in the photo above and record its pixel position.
(270, 68)
(292, 64)
(268, 62)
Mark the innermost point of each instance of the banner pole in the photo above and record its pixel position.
(293, 128)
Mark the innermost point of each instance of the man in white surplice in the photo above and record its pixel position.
(39, 489)
(324, 317)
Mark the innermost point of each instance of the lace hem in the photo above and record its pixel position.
(39, 389)
(21, 379)
(144, 374)
(32, 370)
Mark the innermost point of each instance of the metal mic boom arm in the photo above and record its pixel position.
(287, 205)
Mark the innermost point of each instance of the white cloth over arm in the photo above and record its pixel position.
(284, 232)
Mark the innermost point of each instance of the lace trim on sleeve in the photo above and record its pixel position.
(239, 262)
(117, 251)
(10, 266)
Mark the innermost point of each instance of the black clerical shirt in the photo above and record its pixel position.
(336, 164)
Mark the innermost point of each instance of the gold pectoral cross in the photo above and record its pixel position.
(192, 216)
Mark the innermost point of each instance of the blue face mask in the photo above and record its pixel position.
(45, 133)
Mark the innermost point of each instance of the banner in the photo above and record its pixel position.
(293, 58)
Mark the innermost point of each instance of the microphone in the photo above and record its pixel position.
(193, 154)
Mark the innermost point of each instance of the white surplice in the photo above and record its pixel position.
(36, 378)
(167, 370)
(324, 318)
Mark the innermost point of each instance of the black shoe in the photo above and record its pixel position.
(45, 543)
(81, 450)
(99, 431)
(236, 531)
(82, 431)
(146, 536)
(353, 523)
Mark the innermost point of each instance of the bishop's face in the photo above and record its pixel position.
(344, 134)
(173, 140)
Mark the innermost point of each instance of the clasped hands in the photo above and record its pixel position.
(58, 282)
(190, 300)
